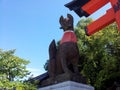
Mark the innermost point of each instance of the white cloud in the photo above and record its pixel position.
(35, 71)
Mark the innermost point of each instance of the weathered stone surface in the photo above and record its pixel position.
(68, 85)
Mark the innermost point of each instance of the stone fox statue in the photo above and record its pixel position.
(64, 58)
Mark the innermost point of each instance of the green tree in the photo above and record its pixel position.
(12, 66)
(12, 70)
(99, 54)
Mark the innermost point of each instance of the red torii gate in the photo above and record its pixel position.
(88, 7)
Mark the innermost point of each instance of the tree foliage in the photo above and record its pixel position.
(12, 70)
(99, 54)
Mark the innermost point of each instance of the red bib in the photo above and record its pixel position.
(69, 36)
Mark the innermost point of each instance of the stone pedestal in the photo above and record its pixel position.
(68, 85)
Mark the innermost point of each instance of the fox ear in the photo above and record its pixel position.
(70, 17)
(61, 19)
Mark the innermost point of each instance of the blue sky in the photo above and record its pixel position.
(30, 25)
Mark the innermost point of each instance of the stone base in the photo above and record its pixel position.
(62, 78)
(68, 85)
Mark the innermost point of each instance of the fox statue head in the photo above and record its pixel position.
(66, 23)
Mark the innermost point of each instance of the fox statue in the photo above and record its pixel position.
(64, 58)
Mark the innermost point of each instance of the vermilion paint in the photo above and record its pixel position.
(69, 36)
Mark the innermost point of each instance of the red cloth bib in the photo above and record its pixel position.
(69, 36)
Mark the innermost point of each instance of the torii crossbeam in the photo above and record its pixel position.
(88, 7)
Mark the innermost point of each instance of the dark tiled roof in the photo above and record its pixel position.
(76, 6)
(40, 77)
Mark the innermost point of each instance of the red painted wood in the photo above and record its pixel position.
(94, 5)
(100, 23)
(116, 6)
